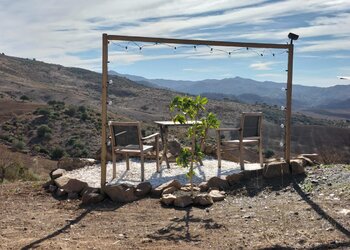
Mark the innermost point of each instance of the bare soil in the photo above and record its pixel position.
(303, 213)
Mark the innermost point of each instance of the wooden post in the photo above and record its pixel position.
(104, 110)
(289, 104)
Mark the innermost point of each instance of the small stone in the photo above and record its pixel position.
(60, 192)
(183, 201)
(168, 199)
(159, 190)
(216, 195)
(92, 198)
(203, 186)
(73, 195)
(203, 200)
(171, 190)
(314, 181)
(52, 188)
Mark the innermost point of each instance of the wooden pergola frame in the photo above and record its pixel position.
(105, 40)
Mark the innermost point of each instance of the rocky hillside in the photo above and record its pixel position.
(41, 85)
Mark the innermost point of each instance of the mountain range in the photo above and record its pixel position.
(251, 91)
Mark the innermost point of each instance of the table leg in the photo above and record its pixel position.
(165, 146)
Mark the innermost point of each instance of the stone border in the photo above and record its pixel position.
(207, 192)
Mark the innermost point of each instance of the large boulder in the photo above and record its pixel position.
(70, 164)
(276, 169)
(183, 201)
(203, 200)
(57, 173)
(174, 147)
(92, 198)
(217, 183)
(298, 166)
(315, 158)
(143, 189)
(203, 186)
(70, 185)
(234, 178)
(121, 192)
(159, 190)
(168, 199)
(217, 195)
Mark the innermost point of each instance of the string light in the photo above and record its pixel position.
(110, 82)
(109, 103)
(283, 108)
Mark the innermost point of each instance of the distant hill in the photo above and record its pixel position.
(27, 81)
(251, 91)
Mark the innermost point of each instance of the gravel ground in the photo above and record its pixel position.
(92, 174)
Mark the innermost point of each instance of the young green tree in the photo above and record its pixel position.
(192, 110)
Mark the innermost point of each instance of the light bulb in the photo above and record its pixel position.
(282, 125)
(110, 81)
(283, 108)
(283, 89)
(281, 144)
(109, 102)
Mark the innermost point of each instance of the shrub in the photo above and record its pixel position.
(44, 132)
(24, 98)
(84, 116)
(82, 109)
(57, 153)
(15, 170)
(46, 112)
(18, 145)
(71, 111)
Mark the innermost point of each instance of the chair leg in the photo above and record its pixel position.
(157, 153)
(114, 158)
(261, 154)
(127, 162)
(142, 167)
(241, 158)
(218, 152)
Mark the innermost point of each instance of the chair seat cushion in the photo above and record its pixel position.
(130, 149)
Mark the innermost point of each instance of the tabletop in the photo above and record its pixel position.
(172, 123)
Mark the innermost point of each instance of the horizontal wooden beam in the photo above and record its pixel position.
(197, 42)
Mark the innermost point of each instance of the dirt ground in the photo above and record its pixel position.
(307, 213)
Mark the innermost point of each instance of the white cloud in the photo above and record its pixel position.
(262, 65)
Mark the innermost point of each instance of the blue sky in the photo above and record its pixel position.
(69, 33)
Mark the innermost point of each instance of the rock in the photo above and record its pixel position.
(69, 164)
(90, 190)
(73, 195)
(209, 149)
(216, 195)
(307, 161)
(315, 158)
(183, 201)
(70, 185)
(57, 173)
(92, 198)
(52, 188)
(298, 166)
(121, 192)
(159, 190)
(234, 178)
(170, 190)
(168, 199)
(47, 184)
(188, 188)
(203, 200)
(216, 182)
(143, 189)
(203, 186)
(275, 169)
(60, 192)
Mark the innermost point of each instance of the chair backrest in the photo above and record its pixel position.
(125, 134)
(251, 124)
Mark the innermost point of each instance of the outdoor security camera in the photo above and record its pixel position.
(293, 36)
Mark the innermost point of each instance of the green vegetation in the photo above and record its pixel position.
(12, 170)
(190, 109)
(44, 131)
(24, 98)
(57, 153)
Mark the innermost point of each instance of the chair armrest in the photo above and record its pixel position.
(150, 136)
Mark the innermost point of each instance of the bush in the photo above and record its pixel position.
(44, 132)
(15, 170)
(71, 111)
(57, 153)
(46, 112)
(82, 109)
(18, 145)
(84, 116)
(24, 98)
